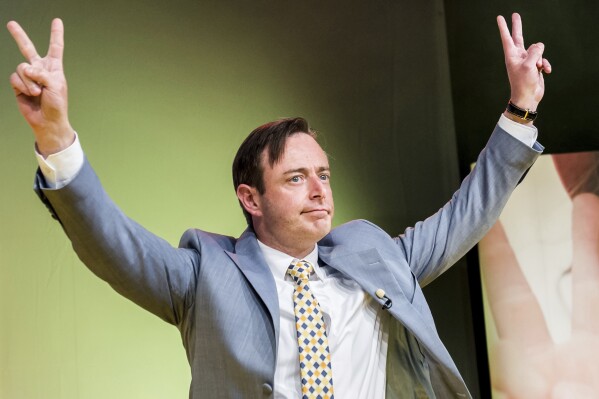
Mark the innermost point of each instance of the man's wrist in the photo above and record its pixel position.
(47, 144)
(517, 119)
(526, 114)
(524, 101)
(61, 167)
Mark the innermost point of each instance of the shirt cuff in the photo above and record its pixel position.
(526, 134)
(60, 168)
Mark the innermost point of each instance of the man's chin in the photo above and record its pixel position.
(322, 228)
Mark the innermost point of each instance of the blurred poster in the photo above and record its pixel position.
(540, 275)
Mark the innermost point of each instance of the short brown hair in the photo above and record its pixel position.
(272, 136)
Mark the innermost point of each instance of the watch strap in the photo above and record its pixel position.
(525, 114)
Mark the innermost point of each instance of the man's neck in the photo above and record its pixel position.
(297, 253)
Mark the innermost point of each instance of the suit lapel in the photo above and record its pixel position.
(366, 267)
(249, 259)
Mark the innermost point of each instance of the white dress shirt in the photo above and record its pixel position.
(355, 325)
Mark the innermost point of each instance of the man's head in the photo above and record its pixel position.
(281, 176)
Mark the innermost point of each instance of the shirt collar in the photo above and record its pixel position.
(278, 262)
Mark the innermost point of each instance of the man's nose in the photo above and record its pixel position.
(317, 187)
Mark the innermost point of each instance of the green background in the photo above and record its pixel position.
(162, 94)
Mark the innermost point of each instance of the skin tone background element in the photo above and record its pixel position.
(540, 268)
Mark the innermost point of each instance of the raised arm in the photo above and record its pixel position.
(41, 89)
(135, 262)
(437, 243)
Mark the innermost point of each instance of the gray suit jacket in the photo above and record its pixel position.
(221, 295)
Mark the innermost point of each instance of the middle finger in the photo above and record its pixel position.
(517, 30)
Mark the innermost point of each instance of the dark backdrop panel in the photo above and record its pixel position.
(567, 115)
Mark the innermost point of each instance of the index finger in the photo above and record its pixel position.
(25, 45)
(504, 32)
(56, 40)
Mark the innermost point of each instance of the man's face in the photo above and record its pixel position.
(296, 208)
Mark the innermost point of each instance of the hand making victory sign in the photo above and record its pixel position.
(41, 89)
(524, 67)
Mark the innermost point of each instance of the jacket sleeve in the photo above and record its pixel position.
(433, 245)
(139, 265)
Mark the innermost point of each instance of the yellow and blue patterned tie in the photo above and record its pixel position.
(314, 355)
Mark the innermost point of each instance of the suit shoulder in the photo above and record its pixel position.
(196, 239)
(359, 230)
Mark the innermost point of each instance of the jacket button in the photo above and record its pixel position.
(267, 388)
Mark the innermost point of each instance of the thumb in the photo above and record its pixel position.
(535, 55)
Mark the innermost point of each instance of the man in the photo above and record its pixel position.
(254, 312)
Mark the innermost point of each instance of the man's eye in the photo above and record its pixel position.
(296, 179)
(325, 177)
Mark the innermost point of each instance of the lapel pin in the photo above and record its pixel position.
(380, 293)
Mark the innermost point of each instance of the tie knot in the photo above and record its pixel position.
(300, 270)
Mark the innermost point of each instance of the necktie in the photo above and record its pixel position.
(314, 355)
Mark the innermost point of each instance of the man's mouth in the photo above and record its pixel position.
(317, 211)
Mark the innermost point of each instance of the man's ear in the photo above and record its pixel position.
(249, 197)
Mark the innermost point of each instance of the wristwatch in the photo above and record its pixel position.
(525, 114)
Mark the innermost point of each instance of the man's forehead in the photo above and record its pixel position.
(299, 148)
